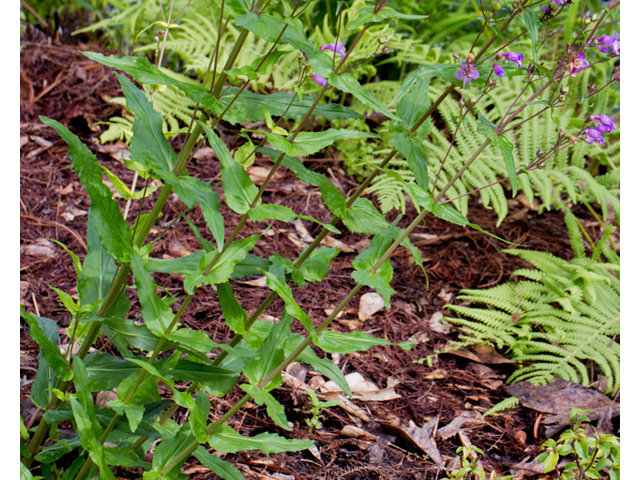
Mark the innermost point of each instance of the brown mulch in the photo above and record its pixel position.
(59, 82)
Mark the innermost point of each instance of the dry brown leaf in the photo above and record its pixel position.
(362, 389)
(302, 231)
(420, 337)
(257, 282)
(40, 248)
(370, 303)
(481, 354)
(178, 249)
(421, 438)
(331, 242)
(467, 418)
(24, 140)
(438, 374)
(105, 396)
(357, 432)
(438, 325)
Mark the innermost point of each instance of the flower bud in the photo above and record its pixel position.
(461, 103)
(471, 58)
(496, 6)
(488, 14)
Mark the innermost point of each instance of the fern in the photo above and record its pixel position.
(505, 404)
(565, 315)
(562, 179)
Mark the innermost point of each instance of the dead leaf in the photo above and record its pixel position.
(558, 398)
(439, 326)
(298, 370)
(376, 453)
(531, 468)
(178, 249)
(24, 140)
(467, 418)
(66, 190)
(362, 389)
(258, 174)
(315, 452)
(421, 438)
(302, 231)
(105, 396)
(420, 337)
(331, 242)
(204, 153)
(481, 354)
(445, 295)
(40, 248)
(525, 201)
(357, 432)
(370, 303)
(438, 374)
(521, 436)
(257, 282)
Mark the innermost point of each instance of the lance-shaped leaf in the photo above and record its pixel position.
(414, 105)
(168, 449)
(227, 440)
(221, 271)
(98, 272)
(157, 315)
(234, 315)
(445, 211)
(324, 366)
(271, 212)
(50, 351)
(215, 381)
(271, 354)
(239, 190)
(89, 439)
(380, 278)
(488, 128)
(416, 156)
(366, 15)
(316, 267)
(144, 71)
(343, 343)
(245, 268)
(279, 104)
(112, 228)
(196, 340)
(333, 198)
(191, 191)
(222, 468)
(105, 371)
(307, 143)
(531, 21)
(274, 409)
(149, 147)
(45, 376)
(292, 308)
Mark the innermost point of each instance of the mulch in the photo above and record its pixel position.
(59, 82)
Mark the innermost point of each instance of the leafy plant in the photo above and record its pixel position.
(159, 348)
(564, 315)
(471, 466)
(317, 406)
(592, 456)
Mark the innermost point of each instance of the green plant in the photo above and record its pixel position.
(317, 406)
(564, 315)
(161, 348)
(471, 466)
(591, 456)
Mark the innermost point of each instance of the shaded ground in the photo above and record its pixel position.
(58, 82)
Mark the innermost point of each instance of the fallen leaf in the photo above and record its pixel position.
(105, 396)
(315, 452)
(521, 436)
(331, 242)
(302, 231)
(178, 249)
(438, 374)
(40, 248)
(481, 354)
(298, 370)
(376, 453)
(258, 174)
(370, 303)
(357, 432)
(24, 140)
(445, 295)
(421, 438)
(66, 190)
(525, 201)
(467, 418)
(439, 326)
(362, 389)
(257, 282)
(558, 398)
(420, 337)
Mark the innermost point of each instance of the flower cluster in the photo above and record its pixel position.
(511, 56)
(577, 63)
(607, 42)
(467, 72)
(604, 124)
(553, 4)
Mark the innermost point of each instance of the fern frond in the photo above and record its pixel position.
(506, 404)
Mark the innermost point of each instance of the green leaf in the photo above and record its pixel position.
(347, 83)
(333, 198)
(173, 447)
(191, 191)
(530, 20)
(144, 71)
(271, 354)
(324, 366)
(425, 74)
(414, 105)
(77, 265)
(307, 143)
(134, 415)
(379, 279)
(486, 127)
(223, 268)
(366, 15)
(274, 409)
(149, 147)
(98, 272)
(443, 211)
(247, 71)
(239, 190)
(156, 314)
(316, 267)
(416, 156)
(343, 343)
(234, 315)
(226, 439)
(49, 351)
(216, 381)
(284, 291)
(271, 212)
(123, 190)
(197, 417)
(222, 468)
(106, 372)
(113, 230)
(196, 340)
(363, 217)
(277, 104)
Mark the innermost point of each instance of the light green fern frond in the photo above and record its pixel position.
(506, 404)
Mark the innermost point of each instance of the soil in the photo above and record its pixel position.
(59, 82)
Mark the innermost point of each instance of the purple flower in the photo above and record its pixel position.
(544, 9)
(576, 64)
(609, 41)
(335, 47)
(594, 135)
(318, 79)
(468, 72)
(607, 124)
(497, 69)
(514, 57)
